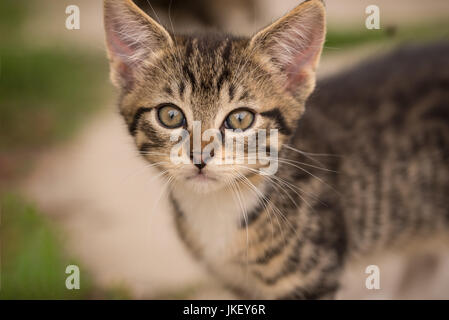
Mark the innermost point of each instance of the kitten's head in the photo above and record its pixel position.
(171, 84)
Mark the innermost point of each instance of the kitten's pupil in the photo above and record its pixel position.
(170, 116)
(240, 119)
(172, 113)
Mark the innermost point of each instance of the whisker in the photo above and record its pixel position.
(245, 217)
(266, 203)
(140, 170)
(280, 213)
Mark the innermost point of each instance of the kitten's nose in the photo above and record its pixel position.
(200, 165)
(201, 158)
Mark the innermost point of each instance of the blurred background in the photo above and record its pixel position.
(74, 191)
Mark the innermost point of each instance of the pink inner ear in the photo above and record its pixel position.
(304, 54)
(122, 53)
(299, 68)
(119, 48)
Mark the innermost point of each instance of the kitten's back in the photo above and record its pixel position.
(388, 120)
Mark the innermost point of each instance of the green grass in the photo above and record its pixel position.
(12, 14)
(351, 38)
(46, 94)
(32, 261)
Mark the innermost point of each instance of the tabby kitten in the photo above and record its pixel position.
(379, 172)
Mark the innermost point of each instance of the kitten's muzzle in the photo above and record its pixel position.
(201, 159)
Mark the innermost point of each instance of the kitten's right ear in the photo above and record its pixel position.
(132, 37)
(293, 44)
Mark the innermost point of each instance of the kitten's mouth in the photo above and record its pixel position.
(201, 177)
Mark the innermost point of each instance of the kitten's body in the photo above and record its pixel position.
(378, 173)
(387, 141)
(388, 119)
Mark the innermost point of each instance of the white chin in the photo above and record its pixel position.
(203, 185)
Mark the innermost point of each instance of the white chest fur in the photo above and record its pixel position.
(214, 218)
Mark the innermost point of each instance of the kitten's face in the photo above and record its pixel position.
(232, 88)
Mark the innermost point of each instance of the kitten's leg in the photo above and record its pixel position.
(313, 274)
(320, 291)
(304, 259)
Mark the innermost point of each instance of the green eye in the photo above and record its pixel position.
(239, 119)
(171, 116)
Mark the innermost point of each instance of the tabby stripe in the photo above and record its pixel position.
(321, 291)
(189, 49)
(252, 216)
(274, 250)
(168, 91)
(182, 87)
(227, 52)
(224, 76)
(290, 265)
(231, 92)
(191, 76)
(244, 96)
(276, 115)
(133, 126)
(439, 112)
(152, 134)
(147, 146)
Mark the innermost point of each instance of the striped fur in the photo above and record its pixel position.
(378, 174)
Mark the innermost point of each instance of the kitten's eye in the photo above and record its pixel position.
(171, 116)
(239, 119)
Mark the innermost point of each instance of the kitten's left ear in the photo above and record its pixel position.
(132, 38)
(294, 44)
